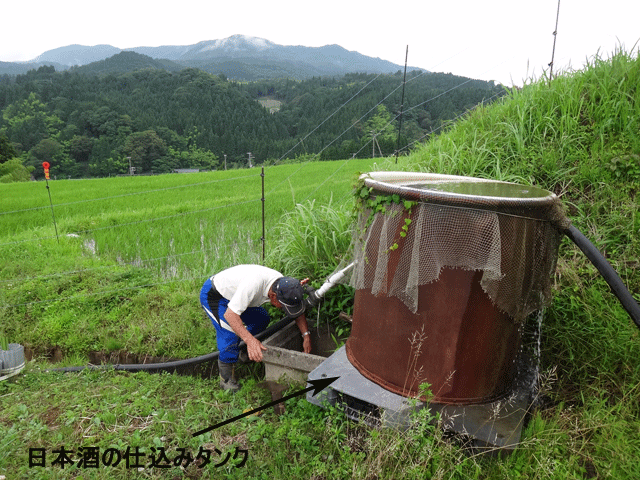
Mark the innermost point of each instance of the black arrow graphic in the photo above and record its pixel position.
(317, 386)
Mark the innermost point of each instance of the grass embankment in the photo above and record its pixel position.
(578, 135)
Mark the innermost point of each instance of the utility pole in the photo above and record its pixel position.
(131, 169)
(373, 145)
(250, 157)
(225, 161)
(553, 52)
(374, 142)
(404, 82)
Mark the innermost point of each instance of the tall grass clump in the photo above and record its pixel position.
(314, 239)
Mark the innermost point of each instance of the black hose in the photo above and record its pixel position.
(606, 270)
(171, 366)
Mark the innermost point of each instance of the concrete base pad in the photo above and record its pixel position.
(493, 425)
(284, 357)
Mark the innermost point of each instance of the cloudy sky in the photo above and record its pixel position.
(503, 40)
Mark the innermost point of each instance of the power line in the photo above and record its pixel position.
(332, 114)
(349, 128)
(319, 153)
(428, 101)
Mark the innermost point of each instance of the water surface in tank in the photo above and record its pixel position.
(483, 189)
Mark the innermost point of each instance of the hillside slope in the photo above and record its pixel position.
(124, 62)
(87, 125)
(576, 135)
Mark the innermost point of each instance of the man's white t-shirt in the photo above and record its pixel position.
(245, 285)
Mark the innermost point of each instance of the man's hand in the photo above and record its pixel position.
(306, 344)
(255, 349)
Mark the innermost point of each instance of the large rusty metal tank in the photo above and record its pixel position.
(445, 302)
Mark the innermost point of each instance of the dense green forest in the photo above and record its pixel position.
(88, 125)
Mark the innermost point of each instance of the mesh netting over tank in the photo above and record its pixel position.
(509, 232)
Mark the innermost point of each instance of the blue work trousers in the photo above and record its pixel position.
(255, 319)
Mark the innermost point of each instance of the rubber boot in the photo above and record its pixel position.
(227, 379)
(243, 357)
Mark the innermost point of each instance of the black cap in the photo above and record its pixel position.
(289, 293)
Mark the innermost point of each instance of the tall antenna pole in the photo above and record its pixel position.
(404, 82)
(555, 35)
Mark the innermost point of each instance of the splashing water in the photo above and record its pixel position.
(537, 334)
(528, 361)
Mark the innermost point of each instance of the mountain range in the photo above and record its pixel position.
(238, 57)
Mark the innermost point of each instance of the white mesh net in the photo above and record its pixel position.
(513, 242)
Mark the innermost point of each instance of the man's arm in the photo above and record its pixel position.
(254, 346)
(301, 321)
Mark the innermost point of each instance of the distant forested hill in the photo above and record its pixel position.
(238, 57)
(124, 62)
(88, 125)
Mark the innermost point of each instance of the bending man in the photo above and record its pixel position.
(233, 300)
